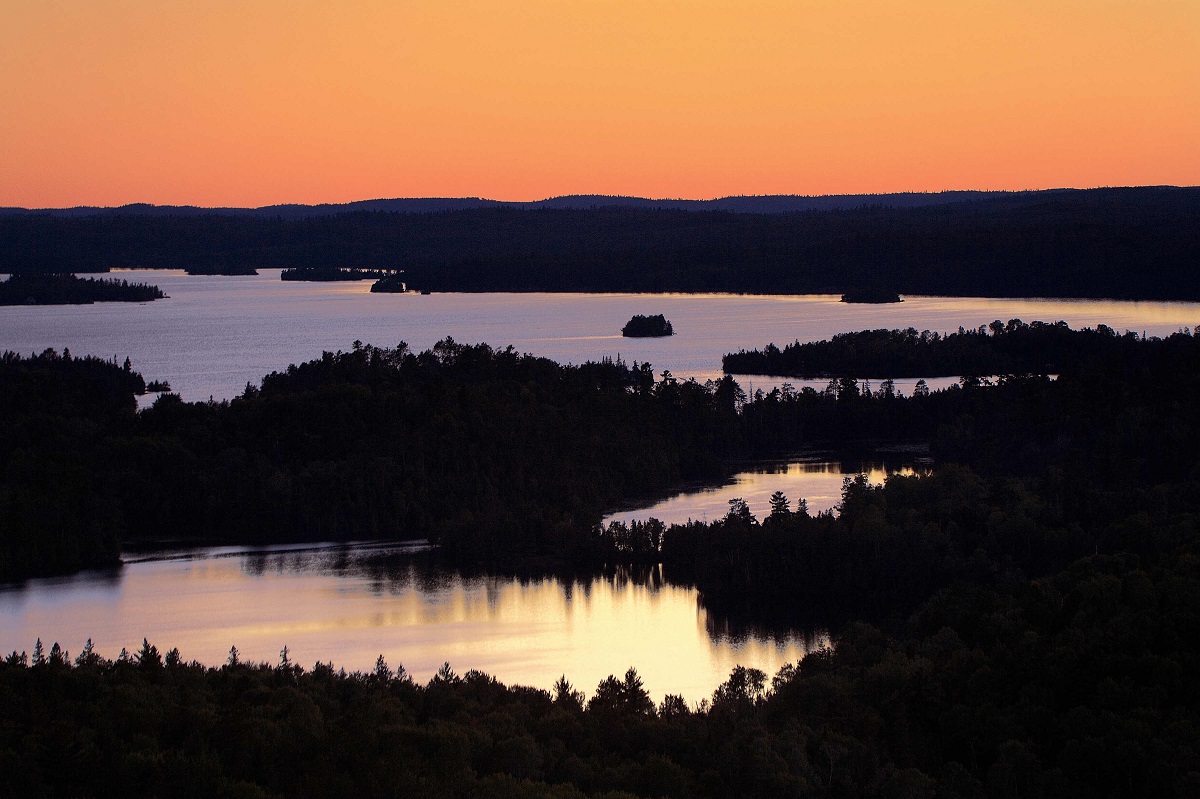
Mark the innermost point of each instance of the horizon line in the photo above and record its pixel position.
(584, 195)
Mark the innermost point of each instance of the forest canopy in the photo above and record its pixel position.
(1023, 620)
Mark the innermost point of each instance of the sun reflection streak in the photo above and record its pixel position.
(346, 606)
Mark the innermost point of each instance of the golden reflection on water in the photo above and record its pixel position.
(819, 483)
(526, 633)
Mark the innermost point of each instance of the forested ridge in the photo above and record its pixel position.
(1030, 610)
(1136, 243)
(1012, 348)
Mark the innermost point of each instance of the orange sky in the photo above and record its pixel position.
(251, 102)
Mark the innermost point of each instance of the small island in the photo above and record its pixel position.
(654, 326)
(873, 296)
(334, 273)
(67, 289)
(392, 284)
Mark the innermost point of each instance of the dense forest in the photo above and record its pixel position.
(1029, 612)
(505, 457)
(1080, 685)
(492, 454)
(1138, 243)
(1012, 348)
(57, 289)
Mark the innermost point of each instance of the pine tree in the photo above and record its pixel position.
(88, 656)
(148, 656)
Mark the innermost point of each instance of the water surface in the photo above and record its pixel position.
(817, 481)
(349, 604)
(214, 334)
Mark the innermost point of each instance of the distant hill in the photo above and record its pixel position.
(1127, 243)
(749, 204)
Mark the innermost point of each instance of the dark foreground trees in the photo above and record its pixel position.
(1082, 684)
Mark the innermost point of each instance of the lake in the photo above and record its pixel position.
(350, 603)
(215, 334)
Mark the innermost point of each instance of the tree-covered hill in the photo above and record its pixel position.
(1139, 243)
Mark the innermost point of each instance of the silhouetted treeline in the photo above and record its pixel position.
(56, 289)
(995, 349)
(494, 455)
(56, 413)
(1083, 684)
(1126, 243)
(747, 204)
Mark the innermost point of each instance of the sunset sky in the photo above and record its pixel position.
(253, 102)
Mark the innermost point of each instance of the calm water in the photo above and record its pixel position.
(818, 482)
(215, 334)
(350, 604)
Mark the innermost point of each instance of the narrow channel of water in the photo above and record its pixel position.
(817, 481)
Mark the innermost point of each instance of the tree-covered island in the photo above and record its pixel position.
(655, 326)
(60, 289)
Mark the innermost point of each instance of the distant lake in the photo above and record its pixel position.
(215, 334)
(349, 604)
